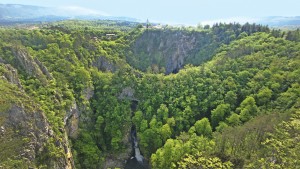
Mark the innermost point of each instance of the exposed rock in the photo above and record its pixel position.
(11, 75)
(72, 121)
(43, 68)
(31, 66)
(165, 48)
(2, 130)
(103, 64)
(26, 62)
(88, 93)
(119, 160)
(25, 133)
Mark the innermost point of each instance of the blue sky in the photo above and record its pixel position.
(175, 11)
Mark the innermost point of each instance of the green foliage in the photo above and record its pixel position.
(199, 161)
(248, 109)
(282, 147)
(11, 164)
(203, 127)
(154, 48)
(219, 114)
(88, 153)
(175, 149)
(213, 115)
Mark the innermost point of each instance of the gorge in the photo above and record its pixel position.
(221, 96)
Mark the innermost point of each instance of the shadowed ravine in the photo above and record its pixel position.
(137, 160)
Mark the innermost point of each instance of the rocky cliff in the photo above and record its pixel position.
(25, 133)
(169, 50)
(27, 138)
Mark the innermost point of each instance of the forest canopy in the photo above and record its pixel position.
(231, 102)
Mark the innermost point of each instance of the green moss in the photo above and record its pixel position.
(11, 145)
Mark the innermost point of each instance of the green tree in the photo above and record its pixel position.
(264, 96)
(203, 127)
(219, 114)
(282, 148)
(248, 109)
(165, 132)
(233, 119)
(163, 113)
(231, 98)
(200, 161)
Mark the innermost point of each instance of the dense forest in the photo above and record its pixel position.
(222, 96)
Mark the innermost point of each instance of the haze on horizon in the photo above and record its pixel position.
(189, 12)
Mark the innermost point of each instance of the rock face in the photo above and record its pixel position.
(32, 67)
(25, 133)
(127, 93)
(26, 136)
(165, 48)
(119, 160)
(32, 126)
(72, 121)
(11, 75)
(104, 64)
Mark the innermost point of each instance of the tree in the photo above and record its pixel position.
(221, 126)
(248, 109)
(282, 148)
(163, 113)
(200, 161)
(264, 96)
(233, 119)
(165, 132)
(231, 98)
(137, 119)
(219, 114)
(203, 127)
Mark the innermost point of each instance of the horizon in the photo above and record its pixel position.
(190, 12)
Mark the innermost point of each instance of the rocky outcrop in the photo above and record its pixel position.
(32, 67)
(11, 75)
(72, 121)
(31, 126)
(26, 136)
(165, 48)
(43, 69)
(108, 64)
(88, 93)
(119, 160)
(103, 64)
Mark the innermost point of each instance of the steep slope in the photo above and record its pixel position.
(72, 83)
(168, 50)
(249, 81)
(58, 69)
(26, 135)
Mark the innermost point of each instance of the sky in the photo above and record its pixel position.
(189, 12)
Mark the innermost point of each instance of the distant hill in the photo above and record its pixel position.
(28, 13)
(281, 21)
(10, 13)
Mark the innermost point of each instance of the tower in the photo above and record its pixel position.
(147, 24)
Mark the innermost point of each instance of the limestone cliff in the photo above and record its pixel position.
(32, 66)
(165, 48)
(27, 138)
(25, 132)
